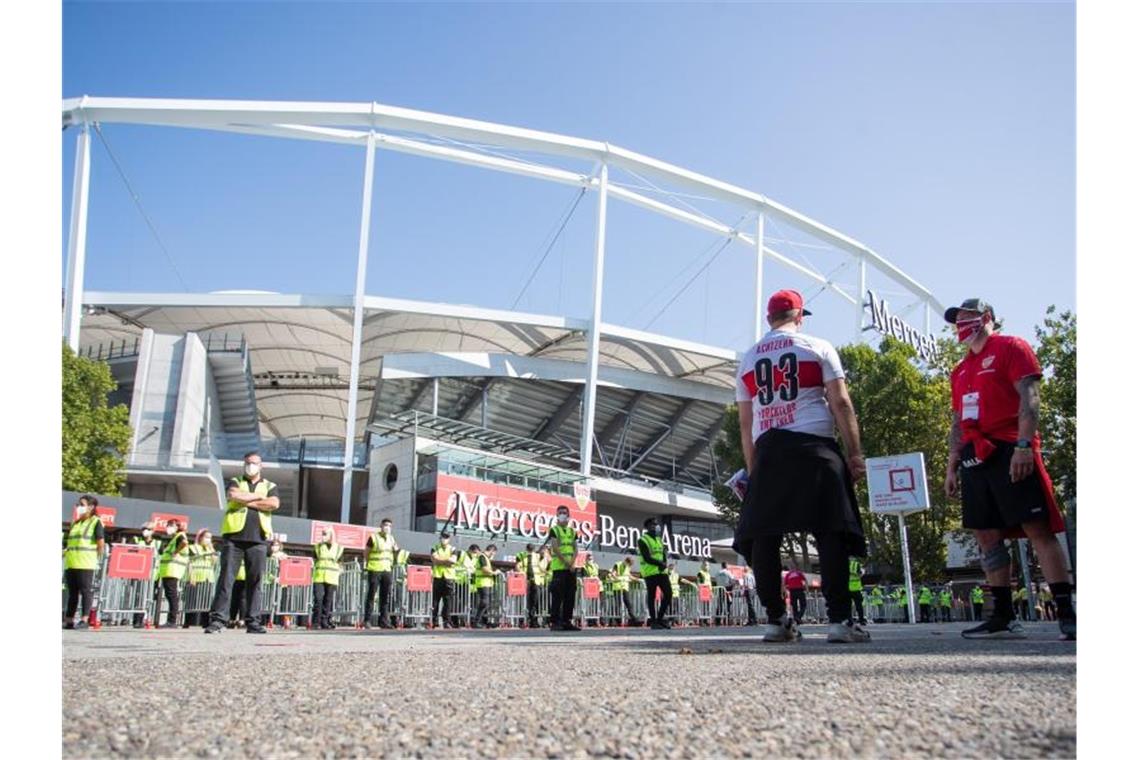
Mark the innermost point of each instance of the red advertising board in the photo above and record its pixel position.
(295, 571)
(516, 584)
(348, 536)
(419, 578)
(106, 515)
(130, 562)
(591, 588)
(704, 593)
(160, 519)
(498, 508)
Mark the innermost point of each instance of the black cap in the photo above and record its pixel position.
(445, 534)
(970, 304)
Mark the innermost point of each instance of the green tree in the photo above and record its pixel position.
(95, 436)
(903, 407)
(1057, 353)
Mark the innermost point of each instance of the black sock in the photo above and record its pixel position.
(1063, 596)
(1003, 602)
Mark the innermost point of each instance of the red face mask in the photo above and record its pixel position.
(968, 329)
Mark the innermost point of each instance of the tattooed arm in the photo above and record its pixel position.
(1028, 416)
(952, 461)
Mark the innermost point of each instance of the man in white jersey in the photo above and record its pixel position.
(791, 394)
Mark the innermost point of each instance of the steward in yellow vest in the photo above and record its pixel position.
(443, 561)
(382, 553)
(530, 564)
(620, 576)
(655, 572)
(326, 577)
(245, 541)
(484, 575)
(172, 564)
(562, 542)
(81, 557)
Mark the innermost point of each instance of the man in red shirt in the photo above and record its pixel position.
(995, 462)
(796, 584)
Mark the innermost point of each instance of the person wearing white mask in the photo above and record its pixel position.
(150, 541)
(563, 584)
(381, 555)
(246, 527)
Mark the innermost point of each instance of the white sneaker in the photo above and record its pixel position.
(847, 633)
(784, 630)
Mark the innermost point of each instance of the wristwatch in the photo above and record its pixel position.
(1024, 443)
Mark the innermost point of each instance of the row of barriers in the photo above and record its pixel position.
(126, 591)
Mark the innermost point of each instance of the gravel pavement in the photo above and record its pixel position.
(691, 693)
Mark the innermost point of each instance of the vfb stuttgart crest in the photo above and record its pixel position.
(582, 494)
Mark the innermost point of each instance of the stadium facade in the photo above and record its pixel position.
(365, 407)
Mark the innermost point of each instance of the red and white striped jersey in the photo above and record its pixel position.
(783, 376)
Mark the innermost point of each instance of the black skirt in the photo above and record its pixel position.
(799, 482)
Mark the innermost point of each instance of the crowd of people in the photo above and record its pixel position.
(791, 397)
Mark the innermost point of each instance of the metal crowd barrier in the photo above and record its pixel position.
(513, 602)
(416, 597)
(198, 596)
(463, 604)
(346, 600)
(588, 602)
(119, 597)
(294, 597)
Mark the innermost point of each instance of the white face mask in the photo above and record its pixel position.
(170, 531)
(252, 469)
(563, 519)
(386, 530)
(147, 533)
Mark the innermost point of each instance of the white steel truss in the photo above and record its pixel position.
(374, 125)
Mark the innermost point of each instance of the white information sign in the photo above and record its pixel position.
(897, 484)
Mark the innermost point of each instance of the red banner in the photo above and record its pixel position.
(106, 515)
(160, 519)
(591, 588)
(516, 584)
(419, 578)
(130, 562)
(295, 571)
(348, 536)
(499, 508)
(704, 593)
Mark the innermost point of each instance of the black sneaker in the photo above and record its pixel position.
(1068, 628)
(256, 628)
(995, 628)
(69, 625)
(214, 628)
(569, 627)
(657, 625)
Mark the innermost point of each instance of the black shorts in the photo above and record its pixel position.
(991, 501)
(800, 482)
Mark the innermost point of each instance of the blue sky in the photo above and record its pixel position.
(941, 135)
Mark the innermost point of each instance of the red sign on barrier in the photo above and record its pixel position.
(516, 584)
(419, 578)
(295, 571)
(160, 519)
(348, 536)
(130, 562)
(704, 593)
(591, 588)
(106, 515)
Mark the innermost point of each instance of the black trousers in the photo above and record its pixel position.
(233, 553)
(382, 581)
(482, 606)
(442, 591)
(799, 603)
(532, 590)
(323, 596)
(977, 610)
(78, 585)
(857, 600)
(652, 583)
(237, 601)
(627, 600)
(170, 591)
(748, 595)
(833, 568)
(924, 612)
(563, 589)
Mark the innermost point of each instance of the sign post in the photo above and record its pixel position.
(896, 485)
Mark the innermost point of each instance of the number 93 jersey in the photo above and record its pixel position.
(783, 376)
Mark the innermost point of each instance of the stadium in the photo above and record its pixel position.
(366, 407)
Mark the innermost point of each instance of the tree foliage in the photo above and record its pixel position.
(95, 435)
(1057, 353)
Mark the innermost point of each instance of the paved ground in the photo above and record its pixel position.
(693, 693)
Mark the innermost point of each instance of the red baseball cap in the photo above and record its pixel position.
(786, 300)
